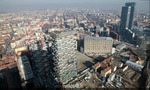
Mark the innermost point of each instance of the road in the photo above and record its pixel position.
(7, 44)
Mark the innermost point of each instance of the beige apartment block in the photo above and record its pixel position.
(98, 45)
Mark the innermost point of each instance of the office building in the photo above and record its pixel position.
(129, 37)
(64, 57)
(104, 34)
(132, 5)
(127, 16)
(114, 35)
(115, 27)
(98, 45)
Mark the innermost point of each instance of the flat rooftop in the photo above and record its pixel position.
(98, 38)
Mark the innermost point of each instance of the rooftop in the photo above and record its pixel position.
(107, 69)
(98, 38)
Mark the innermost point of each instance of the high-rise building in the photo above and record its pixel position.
(64, 56)
(98, 45)
(132, 5)
(42, 64)
(114, 35)
(25, 68)
(127, 16)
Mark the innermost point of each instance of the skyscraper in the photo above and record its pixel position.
(64, 57)
(127, 16)
(132, 5)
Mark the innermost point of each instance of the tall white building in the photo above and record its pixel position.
(64, 57)
(98, 45)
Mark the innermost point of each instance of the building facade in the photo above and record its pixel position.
(127, 16)
(25, 68)
(132, 5)
(64, 56)
(98, 45)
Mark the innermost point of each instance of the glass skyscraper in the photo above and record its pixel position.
(127, 16)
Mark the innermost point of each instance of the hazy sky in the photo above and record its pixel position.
(44, 4)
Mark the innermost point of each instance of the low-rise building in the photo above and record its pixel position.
(120, 46)
(117, 63)
(106, 72)
(111, 77)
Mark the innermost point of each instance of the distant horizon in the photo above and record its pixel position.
(10, 5)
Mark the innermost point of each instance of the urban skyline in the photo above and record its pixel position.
(46, 4)
(47, 47)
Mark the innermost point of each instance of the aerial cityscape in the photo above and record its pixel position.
(73, 44)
